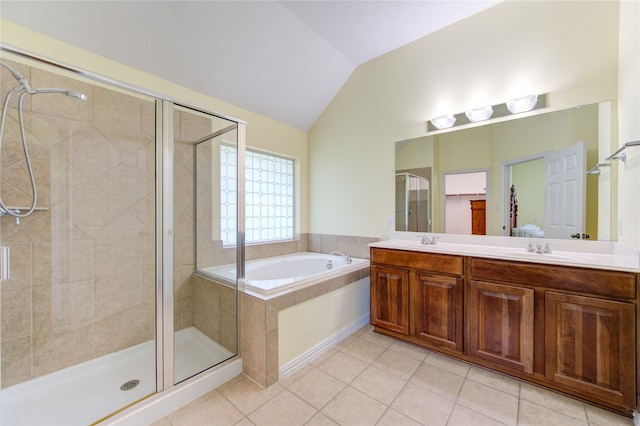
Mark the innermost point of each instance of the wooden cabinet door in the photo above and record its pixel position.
(390, 298)
(501, 324)
(478, 217)
(436, 301)
(590, 346)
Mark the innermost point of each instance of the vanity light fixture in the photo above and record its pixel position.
(443, 121)
(523, 104)
(479, 114)
(506, 109)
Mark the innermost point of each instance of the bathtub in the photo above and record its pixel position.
(274, 275)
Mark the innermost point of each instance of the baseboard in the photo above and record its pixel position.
(303, 359)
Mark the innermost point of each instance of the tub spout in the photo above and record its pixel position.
(346, 257)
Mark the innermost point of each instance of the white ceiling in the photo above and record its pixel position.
(283, 59)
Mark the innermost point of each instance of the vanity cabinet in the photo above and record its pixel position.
(501, 324)
(590, 346)
(436, 305)
(390, 298)
(567, 328)
(431, 290)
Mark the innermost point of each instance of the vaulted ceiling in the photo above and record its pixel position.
(283, 59)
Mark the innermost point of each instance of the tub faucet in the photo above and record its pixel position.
(346, 257)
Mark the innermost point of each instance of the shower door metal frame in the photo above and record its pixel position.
(164, 204)
(164, 245)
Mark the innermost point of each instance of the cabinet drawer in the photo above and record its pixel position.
(594, 281)
(432, 262)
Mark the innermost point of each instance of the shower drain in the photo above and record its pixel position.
(129, 385)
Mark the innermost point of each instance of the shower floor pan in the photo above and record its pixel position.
(88, 392)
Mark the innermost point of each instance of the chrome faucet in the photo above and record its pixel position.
(539, 248)
(424, 239)
(346, 257)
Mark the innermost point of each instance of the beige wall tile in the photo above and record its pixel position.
(54, 351)
(194, 126)
(114, 107)
(116, 294)
(16, 313)
(63, 308)
(229, 332)
(87, 150)
(16, 361)
(118, 332)
(149, 118)
(62, 261)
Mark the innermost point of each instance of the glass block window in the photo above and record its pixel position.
(269, 188)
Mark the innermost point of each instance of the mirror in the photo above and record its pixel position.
(512, 154)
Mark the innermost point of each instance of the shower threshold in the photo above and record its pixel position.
(85, 393)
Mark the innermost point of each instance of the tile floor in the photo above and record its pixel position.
(370, 379)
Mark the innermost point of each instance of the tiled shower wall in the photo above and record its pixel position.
(83, 268)
(83, 271)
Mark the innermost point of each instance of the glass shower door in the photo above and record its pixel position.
(205, 208)
(78, 312)
(413, 212)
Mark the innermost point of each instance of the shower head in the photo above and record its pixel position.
(67, 92)
(24, 83)
(77, 95)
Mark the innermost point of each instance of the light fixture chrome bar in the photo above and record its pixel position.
(618, 155)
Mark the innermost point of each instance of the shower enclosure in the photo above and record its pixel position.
(100, 309)
(413, 211)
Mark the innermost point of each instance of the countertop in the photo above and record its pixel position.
(586, 254)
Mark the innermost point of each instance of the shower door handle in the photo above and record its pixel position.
(5, 273)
